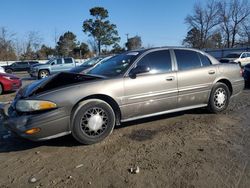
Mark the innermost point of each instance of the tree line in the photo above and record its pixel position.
(101, 32)
(214, 24)
(218, 24)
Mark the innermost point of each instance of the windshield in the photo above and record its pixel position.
(91, 62)
(115, 66)
(233, 56)
(50, 61)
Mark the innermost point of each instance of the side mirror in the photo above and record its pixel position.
(53, 63)
(138, 70)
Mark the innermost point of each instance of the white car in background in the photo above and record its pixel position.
(243, 58)
(2, 70)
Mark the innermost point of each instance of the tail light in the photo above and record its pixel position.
(241, 72)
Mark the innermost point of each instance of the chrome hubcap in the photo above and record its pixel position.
(94, 121)
(220, 98)
(44, 74)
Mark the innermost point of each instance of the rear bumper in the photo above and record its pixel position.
(12, 85)
(52, 124)
(238, 87)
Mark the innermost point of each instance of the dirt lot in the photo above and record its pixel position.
(188, 149)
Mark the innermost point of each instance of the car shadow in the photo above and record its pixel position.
(247, 87)
(8, 92)
(13, 143)
(29, 78)
(164, 116)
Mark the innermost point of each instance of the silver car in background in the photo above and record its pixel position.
(129, 86)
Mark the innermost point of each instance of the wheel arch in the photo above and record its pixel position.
(47, 69)
(227, 83)
(114, 105)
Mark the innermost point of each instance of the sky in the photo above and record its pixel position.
(157, 22)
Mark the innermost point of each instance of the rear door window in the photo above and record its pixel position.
(157, 61)
(187, 59)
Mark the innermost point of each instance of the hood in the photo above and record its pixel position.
(80, 69)
(36, 65)
(9, 75)
(59, 80)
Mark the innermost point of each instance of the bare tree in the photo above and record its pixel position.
(204, 19)
(31, 45)
(245, 33)
(7, 50)
(232, 16)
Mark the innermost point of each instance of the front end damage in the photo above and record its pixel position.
(41, 124)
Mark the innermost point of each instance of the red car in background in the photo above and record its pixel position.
(9, 82)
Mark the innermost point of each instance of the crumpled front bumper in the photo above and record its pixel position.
(52, 124)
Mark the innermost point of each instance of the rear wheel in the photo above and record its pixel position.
(219, 98)
(43, 74)
(93, 121)
(9, 71)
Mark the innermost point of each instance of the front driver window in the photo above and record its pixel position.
(158, 61)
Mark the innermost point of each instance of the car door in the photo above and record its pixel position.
(152, 92)
(56, 66)
(24, 66)
(68, 64)
(195, 77)
(17, 66)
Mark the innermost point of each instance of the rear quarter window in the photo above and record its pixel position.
(204, 60)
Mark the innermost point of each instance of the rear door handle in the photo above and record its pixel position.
(170, 78)
(211, 72)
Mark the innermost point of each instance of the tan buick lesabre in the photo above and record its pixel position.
(129, 86)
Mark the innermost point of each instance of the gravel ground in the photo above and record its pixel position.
(188, 149)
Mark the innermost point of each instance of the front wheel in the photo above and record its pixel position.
(93, 121)
(219, 98)
(43, 74)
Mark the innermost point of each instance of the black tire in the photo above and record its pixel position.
(43, 74)
(102, 117)
(9, 71)
(1, 89)
(219, 98)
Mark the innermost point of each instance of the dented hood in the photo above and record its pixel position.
(59, 80)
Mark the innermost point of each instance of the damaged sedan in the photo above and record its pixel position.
(129, 86)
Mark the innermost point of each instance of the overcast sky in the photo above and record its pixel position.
(158, 22)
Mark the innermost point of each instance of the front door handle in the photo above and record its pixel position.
(211, 72)
(170, 78)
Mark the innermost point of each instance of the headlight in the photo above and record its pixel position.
(34, 105)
